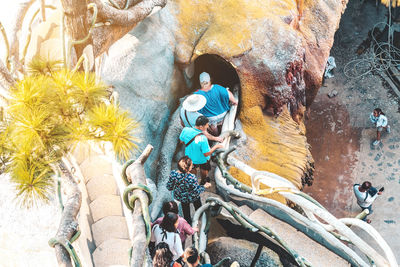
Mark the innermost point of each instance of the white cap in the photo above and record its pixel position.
(204, 77)
(194, 102)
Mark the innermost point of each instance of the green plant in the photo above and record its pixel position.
(49, 112)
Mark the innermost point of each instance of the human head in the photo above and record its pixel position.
(366, 185)
(202, 123)
(191, 256)
(205, 79)
(185, 164)
(378, 112)
(170, 206)
(169, 223)
(163, 255)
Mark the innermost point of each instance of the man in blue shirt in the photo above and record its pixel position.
(197, 147)
(218, 99)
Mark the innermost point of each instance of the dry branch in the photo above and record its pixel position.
(122, 21)
(16, 32)
(68, 224)
(135, 173)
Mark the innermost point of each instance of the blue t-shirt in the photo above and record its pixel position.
(217, 101)
(191, 117)
(196, 150)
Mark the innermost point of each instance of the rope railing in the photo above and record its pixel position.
(217, 204)
(136, 189)
(67, 244)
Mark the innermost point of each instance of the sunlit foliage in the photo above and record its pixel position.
(49, 111)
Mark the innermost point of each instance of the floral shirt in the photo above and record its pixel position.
(185, 186)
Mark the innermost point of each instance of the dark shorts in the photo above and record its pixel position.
(205, 166)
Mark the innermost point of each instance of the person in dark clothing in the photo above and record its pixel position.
(192, 258)
(185, 187)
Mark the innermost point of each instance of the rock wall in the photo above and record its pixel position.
(278, 48)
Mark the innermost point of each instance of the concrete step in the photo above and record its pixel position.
(112, 252)
(96, 166)
(315, 253)
(109, 227)
(106, 205)
(101, 185)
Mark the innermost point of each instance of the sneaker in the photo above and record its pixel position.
(388, 129)
(376, 142)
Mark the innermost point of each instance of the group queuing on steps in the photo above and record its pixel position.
(201, 115)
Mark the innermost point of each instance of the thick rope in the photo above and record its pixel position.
(129, 200)
(67, 244)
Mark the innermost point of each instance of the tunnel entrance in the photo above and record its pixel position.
(221, 72)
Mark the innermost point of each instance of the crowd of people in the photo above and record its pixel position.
(201, 115)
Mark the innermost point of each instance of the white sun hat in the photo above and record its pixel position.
(194, 102)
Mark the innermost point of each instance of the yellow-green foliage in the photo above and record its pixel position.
(395, 3)
(49, 111)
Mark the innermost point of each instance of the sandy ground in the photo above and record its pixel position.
(341, 135)
(24, 233)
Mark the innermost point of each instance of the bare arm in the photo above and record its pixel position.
(212, 137)
(232, 99)
(213, 149)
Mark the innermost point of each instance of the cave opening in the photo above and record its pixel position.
(220, 70)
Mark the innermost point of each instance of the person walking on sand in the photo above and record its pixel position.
(366, 195)
(380, 120)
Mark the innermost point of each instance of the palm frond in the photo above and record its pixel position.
(33, 180)
(111, 123)
(28, 93)
(43, 66)
(88, 91)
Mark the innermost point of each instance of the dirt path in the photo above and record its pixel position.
(341, 134)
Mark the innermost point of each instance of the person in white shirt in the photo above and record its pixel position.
(380, 120)
(366, 195)
(167, 232)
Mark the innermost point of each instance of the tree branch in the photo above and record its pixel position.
(68, 224)
(6, 80)
(122, 21)
(23, 9)
(129, 17)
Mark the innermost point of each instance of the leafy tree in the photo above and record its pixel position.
(49, 111)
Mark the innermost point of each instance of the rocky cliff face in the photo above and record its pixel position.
(277, 47)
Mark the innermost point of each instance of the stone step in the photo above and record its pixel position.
(96, 166)
(112, 252)
(101, 185)
(109, 227)
(106, 205)
(315, 253)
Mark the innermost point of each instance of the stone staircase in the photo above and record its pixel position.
(311, 250)
(106, 234)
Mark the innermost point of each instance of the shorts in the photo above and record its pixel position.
(379, 129)
(205, 166)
